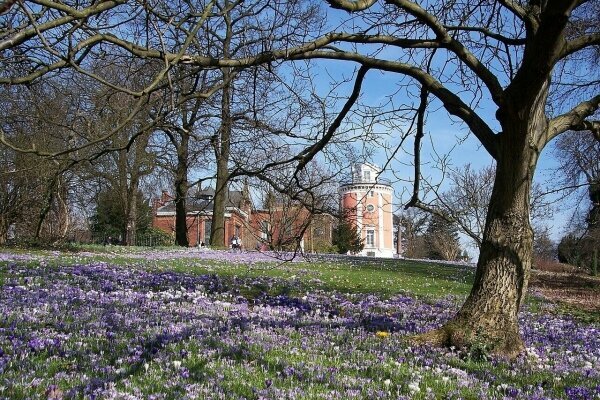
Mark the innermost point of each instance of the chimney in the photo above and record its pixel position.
(165, 197)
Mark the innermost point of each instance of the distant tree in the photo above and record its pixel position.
(568, 251)
(413, 224)
(544, 247)
(346, 238)
(579, 157)
(110, 217)
(466, 202)
(19, 189)
(35, 191)
(442, 240)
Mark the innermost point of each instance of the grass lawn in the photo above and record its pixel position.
(120, 323)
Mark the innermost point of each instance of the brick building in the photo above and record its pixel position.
(278, 227)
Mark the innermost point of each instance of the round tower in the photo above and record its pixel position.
(367, 204)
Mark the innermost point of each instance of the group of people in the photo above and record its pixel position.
(236, 243)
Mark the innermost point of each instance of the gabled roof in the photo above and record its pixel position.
(202, 201)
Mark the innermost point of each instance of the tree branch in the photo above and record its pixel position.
(27, 34)
(580, 43)
(486, 32)
(351, 5)
(472, 62)
(452, 103)
(6, 6)
(414, 200)
(575, 119)
(307, 155)
(514, 8)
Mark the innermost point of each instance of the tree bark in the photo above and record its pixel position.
(181, 192)
(222, 150)
(3, 229)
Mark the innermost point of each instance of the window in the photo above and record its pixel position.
(264, 229)
(370, 208)
(371, 194)
(370, 238)
(367, 176)
(207, 225)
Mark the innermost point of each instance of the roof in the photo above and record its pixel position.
(202, 200)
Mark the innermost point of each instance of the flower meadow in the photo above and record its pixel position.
(129, 327)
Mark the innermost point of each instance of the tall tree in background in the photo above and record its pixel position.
(249, 28)
(110, 218)
(441, 238)
(579, 157)
(183, 122)
(40, 115)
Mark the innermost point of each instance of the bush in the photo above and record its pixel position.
(581, 252)
(568, 249)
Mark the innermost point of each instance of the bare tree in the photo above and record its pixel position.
(441, 238)
(39, 115)
(579, 157)
(465, 203)
(243, 30)
(183, 121)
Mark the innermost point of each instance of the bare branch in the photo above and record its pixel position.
(581, 43)
(307, 155)
(6, 5)
(592, 126)
(575, 119)
(515, 8)
(414, 200)
(486, 32)
(470, 60)
(351, 5)
(27, 34)
(452, 102)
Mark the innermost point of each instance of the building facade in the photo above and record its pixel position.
(199, 216)
(366, 201)
(279, 227)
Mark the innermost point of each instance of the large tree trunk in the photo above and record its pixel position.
(222, 149)
(181, 192)
(131, 216)
(47, 205)
(489, 316)
(222, 143)
(3, 229)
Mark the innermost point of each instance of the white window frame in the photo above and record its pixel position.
(265, 227)
(370, 238)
